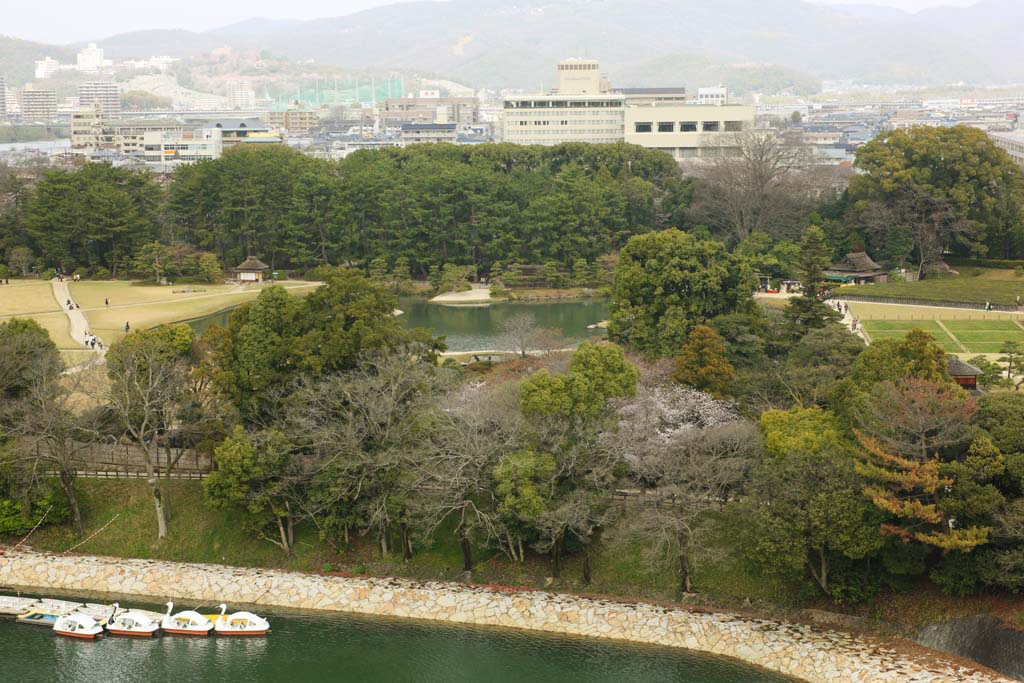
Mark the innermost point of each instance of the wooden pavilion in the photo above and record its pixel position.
(251, 270)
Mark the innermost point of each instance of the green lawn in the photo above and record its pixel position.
(974, 285)
(977, 336)
(200, 534)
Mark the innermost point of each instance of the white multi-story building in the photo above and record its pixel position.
(585, 108)
(166, 150)
(1012, 143)
(90, 59)
(107, 94)
(240, 95)
(46, 67)
(716, 95)
(581, 110)
(3, 97)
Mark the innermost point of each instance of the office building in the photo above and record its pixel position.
(585, 108)
(687, 131)
(38, 105)
(106, 94)
(716, 95)
(581, 110)
(417, 133)
(240, 95)
(167, 149)
(1012, 143)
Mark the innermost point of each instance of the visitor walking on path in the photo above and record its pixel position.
(79, 325)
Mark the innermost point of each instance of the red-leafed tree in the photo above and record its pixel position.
(913, 418)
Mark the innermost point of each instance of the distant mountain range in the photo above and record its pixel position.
(497, 43)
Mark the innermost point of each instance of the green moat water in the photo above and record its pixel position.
(478, 328)
(323, 648)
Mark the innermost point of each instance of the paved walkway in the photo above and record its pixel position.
(79, 324)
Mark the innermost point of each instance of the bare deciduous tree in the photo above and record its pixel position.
(455, 466)
(359, 430)
(520, 333)
(146, 387)
(762, 185)
(48, 422)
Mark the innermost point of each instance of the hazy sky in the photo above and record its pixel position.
(63, 21)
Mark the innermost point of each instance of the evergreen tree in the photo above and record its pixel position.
(702, 363)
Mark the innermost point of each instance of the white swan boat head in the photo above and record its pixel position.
(240, 623)
(188, 622)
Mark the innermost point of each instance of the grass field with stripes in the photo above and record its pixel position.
(954, 336)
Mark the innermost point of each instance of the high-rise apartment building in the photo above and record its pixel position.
(38, 105)
(106, 94)
(90, 59)
(240, 95)
(46, 67)
(3, 97)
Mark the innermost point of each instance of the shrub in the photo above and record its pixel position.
(101, 273)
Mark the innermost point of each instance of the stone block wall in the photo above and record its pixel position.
(805, 652)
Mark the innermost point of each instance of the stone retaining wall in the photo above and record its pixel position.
(809, 653)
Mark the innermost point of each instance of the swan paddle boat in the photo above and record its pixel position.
(131, 623)
(186, 623)
(77, 626)
(240, 624)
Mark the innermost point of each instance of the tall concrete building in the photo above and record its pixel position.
(3, 97)
(90, 59)
(106, 94)
(46, 67)
(687, 131)
(463, 111)
(581, 110)
(585, 108)
(38, 105)
(240, 95)
(1012, 143)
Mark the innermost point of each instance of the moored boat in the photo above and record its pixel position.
(240, 624)
(185, 623)
(10, 604)
(40, 616)
(131, 623)
(77, 626)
